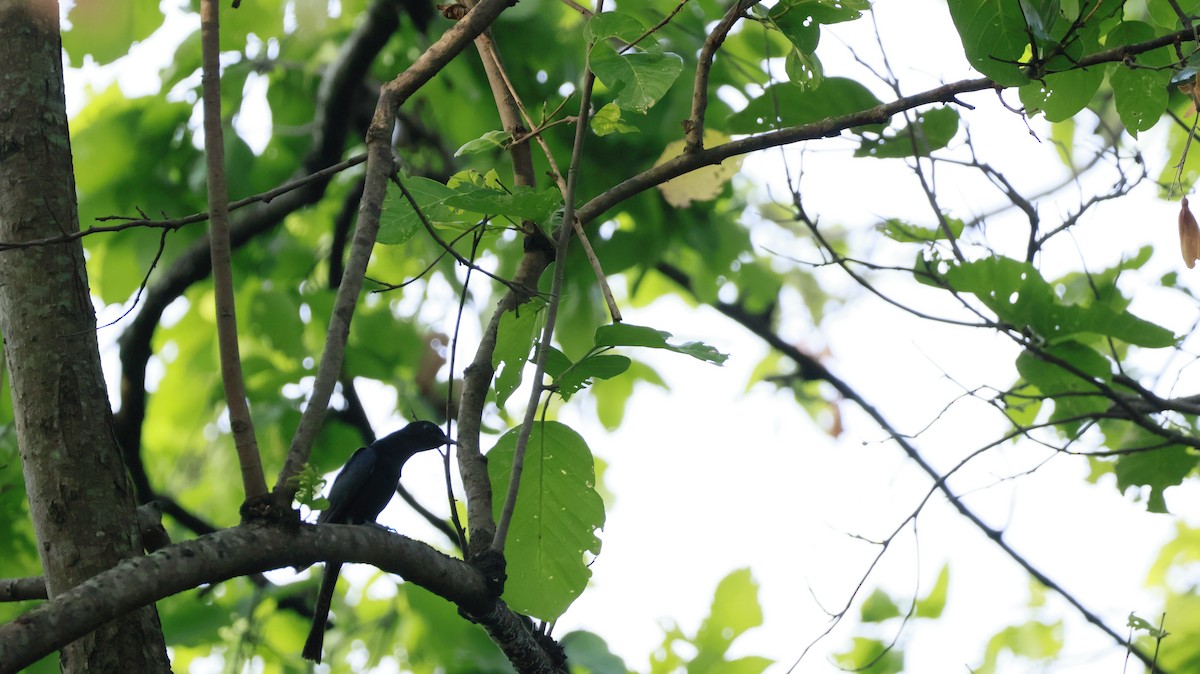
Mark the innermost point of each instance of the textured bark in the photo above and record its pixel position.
(79, 497)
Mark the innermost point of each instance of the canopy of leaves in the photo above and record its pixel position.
(1085, 372)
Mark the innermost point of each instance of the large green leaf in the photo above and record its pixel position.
(625, 334)
(1068, 372)
(554, 526)
(785, 105)
(617, 25)
(994, 37)
(1060, 95)
(106, 29)
(1140, 93)
(1151, 463)
(932, 130)
(639, 79)
(1019, 296)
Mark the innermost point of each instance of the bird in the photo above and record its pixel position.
(359, 493)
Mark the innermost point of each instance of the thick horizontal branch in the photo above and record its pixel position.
(252, 549)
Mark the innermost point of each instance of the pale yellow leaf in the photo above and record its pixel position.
(704, 183)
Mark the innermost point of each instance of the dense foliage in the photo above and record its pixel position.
(664, 215)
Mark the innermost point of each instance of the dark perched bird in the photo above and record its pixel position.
(360, 492)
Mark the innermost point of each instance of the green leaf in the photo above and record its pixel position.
(829, 11)
(932, 604)
(617, 25)
(1140, 94)
(106, 29)
(871, 656)
(1018, 295)
(785, 105)
(800, 20)
(1140, 97)
(608, 120)
(1141, 624)
(399, 222)
(514, 342)
(1074, 396)
(879, 607)
(1034, 640)
(796, 26)
(522, 202)
(581, 374)
(898, 230)
(934, 131)
(588, 653)
(1060, 95)
(639, 79)
(1163, 14)
(554, 525)
(993, 36)
(735, 610)
(491, 140)
(625, 334)
(804, 70)
(1022, 403)
(1157, 467)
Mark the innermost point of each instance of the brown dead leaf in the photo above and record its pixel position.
(1189, 235)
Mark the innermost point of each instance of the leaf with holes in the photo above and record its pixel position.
(553, 531)
(639, 79)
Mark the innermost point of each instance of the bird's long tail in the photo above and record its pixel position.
(316, 635)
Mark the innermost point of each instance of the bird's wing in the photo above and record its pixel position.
(348, 483)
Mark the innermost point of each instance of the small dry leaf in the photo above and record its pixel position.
(454, 11)
(1189, 235)
(1192, 89)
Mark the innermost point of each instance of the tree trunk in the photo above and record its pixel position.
(79, 496)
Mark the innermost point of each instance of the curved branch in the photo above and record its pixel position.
(694, 126)
(255, 548)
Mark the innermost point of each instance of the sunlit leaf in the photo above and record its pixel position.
(702, 184)
(558, 512)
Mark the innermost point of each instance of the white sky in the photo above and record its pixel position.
(710, 477)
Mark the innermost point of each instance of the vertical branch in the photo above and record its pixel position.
(240, 423)
(543, 345)
(694, 126)
(380, 165)
(506, 106)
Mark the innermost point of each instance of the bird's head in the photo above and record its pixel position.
(415, 437)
